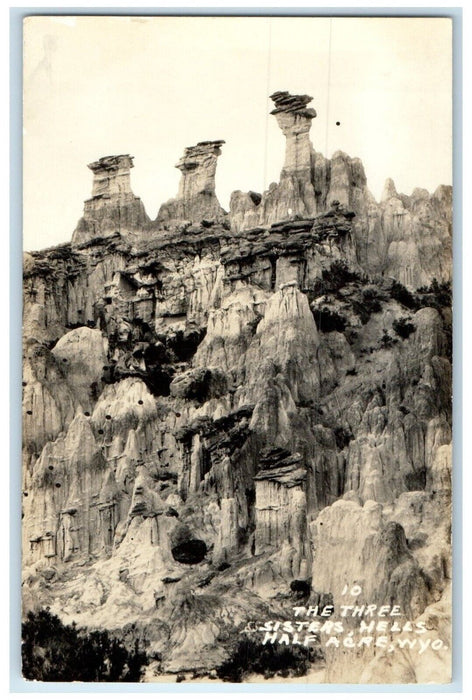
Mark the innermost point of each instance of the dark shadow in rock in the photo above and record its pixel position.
(190, 552)
(300, 588)
(256, 197)
(416, 480)
(158, 380)
(327, 321)
(183, 344)
(185, 547)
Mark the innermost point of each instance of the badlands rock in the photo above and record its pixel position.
(196, 199)
(408, 238)
(113, 206)
(83, 352)
(220, 420)
(295, 193)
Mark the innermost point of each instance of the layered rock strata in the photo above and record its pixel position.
(281, 509)
(196, 199)
(295, 193)
(219, 422)
(405, 237)
(196, 408)
(113, 207)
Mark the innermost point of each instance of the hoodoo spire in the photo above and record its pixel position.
(196, 199)
(113, 206)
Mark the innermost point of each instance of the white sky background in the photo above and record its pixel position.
(101, 86)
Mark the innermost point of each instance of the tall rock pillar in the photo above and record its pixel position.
(294, 119)
(196, 199)
(294, 195)
(113, 206)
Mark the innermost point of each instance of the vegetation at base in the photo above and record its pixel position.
(52, 651)
(269, 660)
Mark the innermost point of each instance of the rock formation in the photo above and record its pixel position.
(220, 422)
(408, 238)
(294, 119)
(196, 199)
(404, 237)
(295, 193)
(113, 207)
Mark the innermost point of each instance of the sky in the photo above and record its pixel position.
(97, 86)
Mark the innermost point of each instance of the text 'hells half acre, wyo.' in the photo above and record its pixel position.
(237, 426)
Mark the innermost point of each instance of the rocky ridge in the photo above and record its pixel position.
(219, 407)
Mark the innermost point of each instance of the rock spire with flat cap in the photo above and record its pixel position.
(294, 118)
(196, 199)
(294, 195)
(113, 206)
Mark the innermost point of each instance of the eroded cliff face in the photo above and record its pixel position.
(217, 418)
(408, 238)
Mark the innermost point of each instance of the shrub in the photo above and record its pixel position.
(339, 275)
(437, 295)
(336, 277)
(52, 651)
(368, 304)
(372, 300)
(403, 327)
(300, 588)
(403, 296)
(250, 656)
(386, 341)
